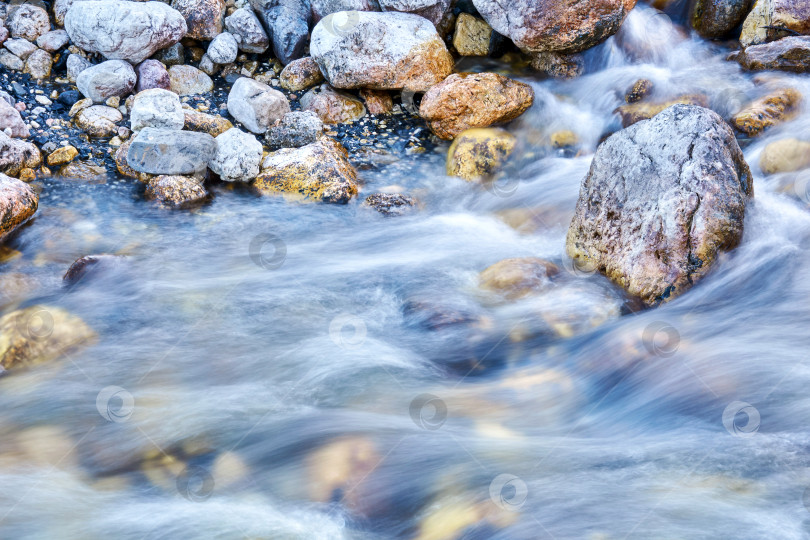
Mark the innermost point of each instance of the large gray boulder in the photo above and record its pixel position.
(107, 79)
(237, 157)
(247, 30)
(157, 108)
(166, 151)
(122, 30)
(662, 199)
(381, 51)
(256, 105)
(560, 26)
(287, 24)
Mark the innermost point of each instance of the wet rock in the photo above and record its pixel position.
(519, 277)
(381, 51)
(27, 21)
(52, 41)
(773, 19)
(156, 108)
(68, 98)
(107, 79)
(152, 74)
(718, 18)
(390, 204)
(99, 120)
(205, 123)
(377, 101)
(472, 36)
(90, 266)
(767, 111)
(62, 155)
(471, 100)
(176, 191)
(223, 49)
(322, 8)
(636, 112)
(79, 105)
(300, 74)
(662, 199)
(16, 155)
(640, 89)
(21, 48)
(75, 65)
(296, 129)
(237, 156)
(256, 105)
(131, 31)
(11, 120)
(432, 10)
(85, 171)
(316, 172)
(248, 31)
(189, 81)
(478, 153)
(786, 54)
(40, 334)
(39, 65)
(340, 470)
(786, 155)
(287, 24)
(173, 55)
(331, 106)
(561, 26)
(18, 202)
(10, 61)
(165, 151)
(123, 167)
(204, 18)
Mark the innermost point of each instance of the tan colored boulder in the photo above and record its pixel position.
(787, 155)
(472, 36)
(767, 111)
(473, 100)
(516, 278)
(300, 74)
(176, 191)
(636, 112)
(18, 202)
(478, 153)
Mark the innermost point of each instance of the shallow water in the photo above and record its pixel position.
(265, 369)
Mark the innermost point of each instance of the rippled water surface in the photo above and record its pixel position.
(265, 369)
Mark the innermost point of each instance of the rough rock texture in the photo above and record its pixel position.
(62, 155)
(124, 168)
(636, 112)
(432, 10)
(562, 26)
(60, 9)
(381, 51)
(107, 79)
(156, 108)
(331, 106)
(717, 18)
(18, 202)
(204, 18)
(10, 61)
(52, 41)
(189, 81)
(248, 31)
(287, 24)
(377, 101)
(173, 55)
(10, 119)
(205, 123)
(176, 191)
(99, 120)
(478, 153)
(39, 65)
(39, 334)
(16, 155)
(237, 156)
(774, 19)
(472, 36)
(296, 129)
(316, 172)
(152, 74)
(767, 111)
(21, 48)
(131, 31)
(640, 89)
(256, 105)
(390, 204)
(518, 277)
(223, 49)
(787, 155)
(27, 21)
(165, 151)
(469, 100)
(322, 8)
(786, 54)
(75, 65)
(661, 200)
(300, 74)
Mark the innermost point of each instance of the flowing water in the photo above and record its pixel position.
(265, 369)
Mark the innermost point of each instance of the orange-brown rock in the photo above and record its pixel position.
(176, 191)
(377, 101)
(300, 74)
(471, 100)
(331, 106)
(636, 112)
(515, 278)
(18, 202)
(205, 123)
(767, 111)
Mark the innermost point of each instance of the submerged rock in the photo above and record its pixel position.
(331, 106)
(478, 153)
(18, 202)
(767, 111)
(662, 199)
(640, 89)
(381, 51)
(390, 204)
(787, 155)
(787, 54)
(519, 277)
(165, 151)
(176, 191)
(90, 265)
(131, 31)
(237, 156)
(317, 172)
(40, 334)
(107, 79)
(473, 100)
(718, 18)
(256, 105)
(636, 112)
